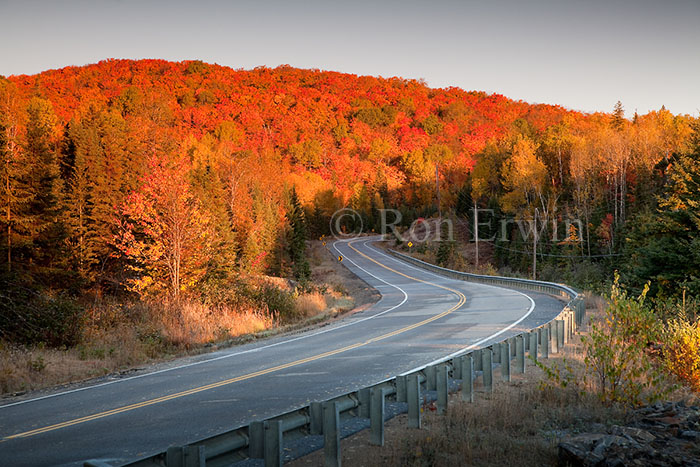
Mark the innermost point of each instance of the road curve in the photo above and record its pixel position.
(420, 317)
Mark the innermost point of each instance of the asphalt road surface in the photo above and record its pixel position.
(420, 317)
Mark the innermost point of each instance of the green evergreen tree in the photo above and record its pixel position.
(13, 189)
(663, 245)
(209, 189)
(618, 120)
(298, 234)
(45, 230)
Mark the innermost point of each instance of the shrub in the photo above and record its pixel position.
(617, 350)
(280, 303)
(32, 317)
(682, 351)
(445, 253)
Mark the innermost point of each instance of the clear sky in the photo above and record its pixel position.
(582, 54)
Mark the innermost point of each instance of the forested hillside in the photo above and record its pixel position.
(180, 180)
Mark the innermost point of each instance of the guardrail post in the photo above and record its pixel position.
(376, 419)
(545, 342)
(487, 368)
(520, 353)
(174, 456)
(580, 311)
(331, 434)
(496, 349)
(467, 364)
(430, 378)
(316, 418)
(567, 326)
(561, 333)
(442, 385)
(413, 395)
(534, 340)
(456, 368)
(185, 456)
(256, 440)
(401, 388)
(363, 395)
(273, 443)
(478, 362)
(511, 341)
(554, 337)
(505, 360)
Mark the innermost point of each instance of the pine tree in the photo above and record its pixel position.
(618, 116)
(297, 239)
(210, 190)
(664, 246)
(13, 190)
(78, 210)
(44, 228)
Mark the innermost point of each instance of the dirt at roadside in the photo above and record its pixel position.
(326, 269)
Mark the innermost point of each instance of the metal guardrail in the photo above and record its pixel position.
(550, 288)
(264, 439)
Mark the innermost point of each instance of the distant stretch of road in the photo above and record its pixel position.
(420, 318)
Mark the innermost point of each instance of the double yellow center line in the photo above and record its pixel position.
(158, 400)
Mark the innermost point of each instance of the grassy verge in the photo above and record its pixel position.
(118, 336)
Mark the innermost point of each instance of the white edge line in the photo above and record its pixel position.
(474, 345)
(235, 354)
(477, 344)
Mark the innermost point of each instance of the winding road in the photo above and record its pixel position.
(421, 317)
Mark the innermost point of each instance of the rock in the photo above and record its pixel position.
(607, 441)
(670, 421)
(689, 434)
(636, 434)
(573, 455)
(662, 434)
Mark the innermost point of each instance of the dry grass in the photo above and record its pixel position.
(312, 303)
(191, 324)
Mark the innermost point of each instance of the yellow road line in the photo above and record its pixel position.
(127, 408)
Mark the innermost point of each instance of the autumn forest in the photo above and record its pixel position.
(161, 182)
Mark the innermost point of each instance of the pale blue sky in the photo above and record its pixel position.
(582, 54)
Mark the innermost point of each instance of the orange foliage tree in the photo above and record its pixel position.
(165, 234)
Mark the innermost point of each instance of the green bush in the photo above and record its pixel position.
(617, 350)
(31, 317)
(445, 253)
(279, 302)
